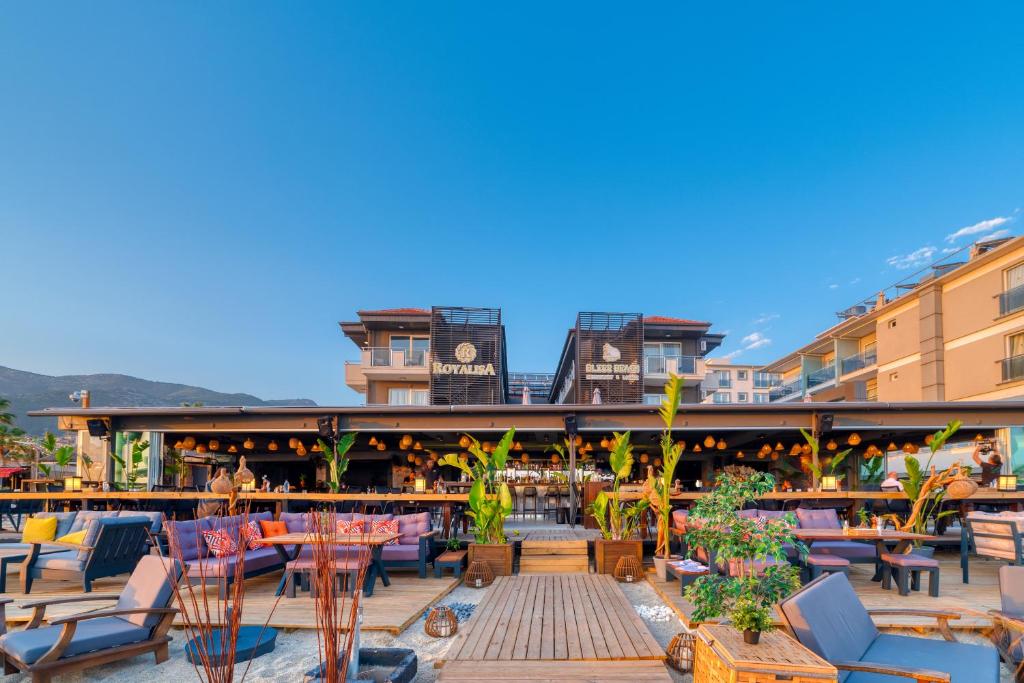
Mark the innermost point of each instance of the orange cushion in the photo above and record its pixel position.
(273, 528)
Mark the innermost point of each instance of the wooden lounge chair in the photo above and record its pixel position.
(1008, 622)
(112, 546)
(998, 536)
(136, 625)
(827, 617)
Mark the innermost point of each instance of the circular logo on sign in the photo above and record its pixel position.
(465, 352)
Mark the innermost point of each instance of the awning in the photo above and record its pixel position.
(8, 471)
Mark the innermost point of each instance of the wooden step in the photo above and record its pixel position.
(554, 564)
(635, 671)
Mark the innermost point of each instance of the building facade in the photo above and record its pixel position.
(952, 332)
(726, 382)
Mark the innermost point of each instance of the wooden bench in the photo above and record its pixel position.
(450, 559)
(635, 671)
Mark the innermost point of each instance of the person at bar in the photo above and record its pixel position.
(990, 468)
(891, 483)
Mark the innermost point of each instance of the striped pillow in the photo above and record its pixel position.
(390, 526)
(252, 534)
(353, 527)
(220, 543)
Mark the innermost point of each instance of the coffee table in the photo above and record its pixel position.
(375, 542)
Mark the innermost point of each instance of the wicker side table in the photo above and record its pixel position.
(721, 656)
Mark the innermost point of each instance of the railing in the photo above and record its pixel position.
(1011, 300)
(1013, 368)
(384, 357)
(821, 375)
(662, 364)
(766, 380)
(785, 390)
(859, 361)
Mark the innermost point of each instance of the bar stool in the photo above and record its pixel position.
(563, 500)
(551, 494)
(530, 494)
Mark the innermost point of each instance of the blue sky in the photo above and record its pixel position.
(198, 193)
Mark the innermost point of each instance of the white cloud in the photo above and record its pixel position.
(918, 257)
(854, 280)
(995, 235)
(755, 340)
(980, 226)
(732, 354)
(765, 318)
(833, 286)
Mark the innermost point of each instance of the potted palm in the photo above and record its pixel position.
(833, 464)
(490, 502)
(746, 594)
(617, 520)
(336, 454)
(658, 489)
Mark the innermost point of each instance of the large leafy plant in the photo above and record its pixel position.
(925, 487)
(337, 458)
(659, 487)
(132, 467)
(59, 455)
(490, 501)
(834, 463)
(715, 525)
(618, 520)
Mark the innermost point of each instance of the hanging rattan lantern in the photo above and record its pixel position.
(417, 446)
(214, 444)
(201, 448)
(720, 445)
(464, 441)
(739, 455)
(373, 441)
(779, 447)
(680, 652)
(891, 446)
(232, 448)
(381, 446)
(555, 458)
(272, 446)
(441, 622)
(517, 446)
(405, 441)
(853, 440)
(681, 445)
(249, 444)
(418, 461)
(831, 445)
(189, 442)
(293, 443)
(697, 448)
(628, 569)
(657, 462)
(709, 441)
(644, 458)
(795, 450)
(604, 443)
(411, 457)
(479, 575)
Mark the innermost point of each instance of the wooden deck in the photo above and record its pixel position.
(391, 609)
(554, 551)
(564, 617)
(972, 600)
(635, 671)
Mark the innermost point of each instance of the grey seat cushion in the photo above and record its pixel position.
(255, 560)
(965, 663)
(851, 550)
(67, 560)
(91, 635)
(1011, 590)
(150, 585)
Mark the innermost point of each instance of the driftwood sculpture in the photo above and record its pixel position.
(936, 481)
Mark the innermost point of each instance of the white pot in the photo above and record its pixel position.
(659, 568)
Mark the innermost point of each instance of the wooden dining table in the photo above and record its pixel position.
(375, 542)
(900, 540)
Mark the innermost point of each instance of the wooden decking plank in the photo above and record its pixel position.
(547, 641)
(612, 621)
(561, 624)
(507, 626)
(515, 641)
(638, 671)
(533, 650)
(602, 649)
(633, 625)
(464, 646)
(491, 625)
(587, 649)
(573, 628)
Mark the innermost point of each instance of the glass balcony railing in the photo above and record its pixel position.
(1013, 368)
(1011, 300)
(821, 376)
(782, 391)
(661, 364)
(381, 356)
(859, 361)
(765, 380)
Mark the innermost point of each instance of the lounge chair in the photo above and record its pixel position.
(826, 616)
(112, 546)
(136, 625)
(995, 535)
(1008, 634)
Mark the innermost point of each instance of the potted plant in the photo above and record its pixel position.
(618, 521)
(133, 467)
(658, 489)
(926, 488)
(833, 463)
(490, 502)
(746, 596)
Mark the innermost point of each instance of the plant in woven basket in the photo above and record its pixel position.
(617, 520)
(747, 594)
(490, 501)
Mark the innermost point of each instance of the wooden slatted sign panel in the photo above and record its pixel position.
(554, 617)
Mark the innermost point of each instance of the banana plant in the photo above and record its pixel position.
(337, 458)
(922, 483)
(833, 466)
(132, 466)
(490, 501)
(659, 487)
(617, 521)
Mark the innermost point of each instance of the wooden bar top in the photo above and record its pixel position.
(254, 496)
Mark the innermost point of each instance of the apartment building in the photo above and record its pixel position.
(953, 331)
(726, 382)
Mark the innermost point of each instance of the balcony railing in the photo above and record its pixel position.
(859, 361)
(766, 381)
(1011, 300)
(821, 376)
(382, 356)
(1013, 368)
(784, 390)
(663, 364)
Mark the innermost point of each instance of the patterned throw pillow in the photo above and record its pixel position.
(353, 527)
(386, 527)
(220, 543)
(252, 534)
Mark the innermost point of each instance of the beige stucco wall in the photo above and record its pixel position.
(906, 388)
(378, 391)
(971, 306)
(974, 368)
(902, 340)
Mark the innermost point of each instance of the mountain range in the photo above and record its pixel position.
(32, 391)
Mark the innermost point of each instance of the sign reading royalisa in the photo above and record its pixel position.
(465, 354)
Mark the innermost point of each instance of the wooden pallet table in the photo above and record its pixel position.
(722, 657)
(563, 617)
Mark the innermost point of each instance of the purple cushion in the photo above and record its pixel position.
(827, 561)
(225, 566)
(189, 534)
(295, 521)
(851, 550)
(370, 519)
(818, 519)
(410, 527)
(911, 560)
(400, 553)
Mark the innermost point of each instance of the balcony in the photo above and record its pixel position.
(1013, 368)
(859, 361)
(784, 391)
(821, 376)
(766, 380)
(383, 357)
(663, 364)
(382, 363)
(1011, 300)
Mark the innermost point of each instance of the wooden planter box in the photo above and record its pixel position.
(607, 553)
(498, 556)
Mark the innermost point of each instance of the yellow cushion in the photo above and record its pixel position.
(39, 529)
(77, 537)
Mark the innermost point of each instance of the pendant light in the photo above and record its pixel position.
(272, 446)
(373, 441)
(779, 447)
(381, 446)
(739, 455)
(604, 443)
(248, 443)
(293, 443)
(214, 444)
(795, 450)
(720, 445)
(464, 441)
(853, 439)
(644, 458)
(189, 442)
(417, 446)
(411, 457)
(709, 441)
(232, 448)
(831, 445)
(697, 448)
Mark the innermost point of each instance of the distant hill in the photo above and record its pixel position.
(30, 391)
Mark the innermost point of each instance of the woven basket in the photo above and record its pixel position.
(479, 575)
(680, 652)
(441, 622)
(961, 487)
(628, 569)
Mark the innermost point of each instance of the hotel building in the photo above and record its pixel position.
(952, 332)
(726, 382)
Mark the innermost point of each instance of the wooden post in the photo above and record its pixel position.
(816, 433)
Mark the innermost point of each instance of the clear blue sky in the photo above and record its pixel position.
(198, 192)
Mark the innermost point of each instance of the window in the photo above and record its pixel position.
(1013, 364)
(871, 389)
(662, 357)
(760, 398)
(741, 397)
(892, 324)
(1012, 298)
(723, 378)
(414, 348)
(408, 397)
(653, 399)
(722, 397)
(894, 376)
(741, 375)
(765, 380)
